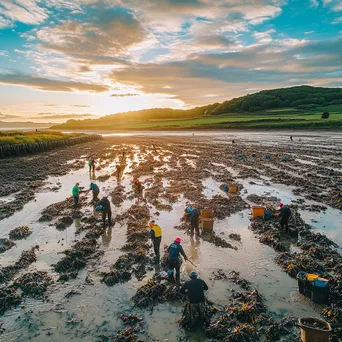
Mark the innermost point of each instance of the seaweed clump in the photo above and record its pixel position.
(20, 233)
(9, 298)
(33, 284)
(153, 292)
(5, 245)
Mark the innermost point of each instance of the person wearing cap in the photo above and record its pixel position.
(95, 189)
(284, 213)
(173, 259)
(107, 211)
(156, 236)
(76, 193)
(138, 185)
(193, 216)
(194, 289)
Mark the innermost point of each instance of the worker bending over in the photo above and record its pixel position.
(96, 190)
(193, 214)
(173, 259)
(284, 213)
(194, 289)
(106, 210)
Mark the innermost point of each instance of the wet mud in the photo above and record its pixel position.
(82, 266)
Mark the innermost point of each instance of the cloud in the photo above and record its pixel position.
(216, 41)
(27, 12)
(84, 68)
(170, 16)
(49, 84)
(81, 106)
(106, 33)
(338, 7)
(314, 3)
(123, 95)
(335, 5)
(4, 22)
(337, 20)
(5, 116)
(72, 5)
(62, 116)
(70, 105)
(264, 37)
(275, 64)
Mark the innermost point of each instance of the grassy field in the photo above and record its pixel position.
(282, 118)
(18, 137)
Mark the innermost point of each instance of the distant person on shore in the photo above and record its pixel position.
(91, 165)
(118, 170)
(95, 189)
(291, 138)
(76, 194)
(233, 141)
(106, 211)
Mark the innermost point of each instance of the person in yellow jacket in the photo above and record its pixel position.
(156, 236)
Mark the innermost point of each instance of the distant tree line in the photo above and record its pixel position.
(303, 97)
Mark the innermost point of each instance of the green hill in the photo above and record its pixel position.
(296, 106)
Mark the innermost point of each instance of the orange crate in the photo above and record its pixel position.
(232, 188)
(207, 213)
(258, 211)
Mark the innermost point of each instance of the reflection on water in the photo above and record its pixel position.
(107, 237)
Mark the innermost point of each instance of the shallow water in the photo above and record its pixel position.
(95, 310)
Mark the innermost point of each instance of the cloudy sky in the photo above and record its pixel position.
(62, 59)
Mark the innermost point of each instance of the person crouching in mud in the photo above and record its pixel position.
(173, 259)
(194, 289)
(106, 211)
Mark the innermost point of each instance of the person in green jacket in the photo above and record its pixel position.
(91, 165)
(76, 194)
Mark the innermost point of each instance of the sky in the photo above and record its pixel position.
(74, 59)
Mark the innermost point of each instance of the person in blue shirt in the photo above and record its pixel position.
(95, 189)
(193, 215)
(173, 258)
